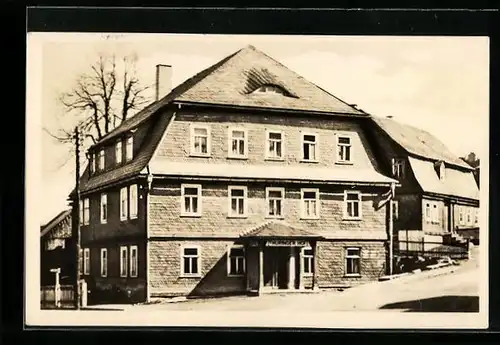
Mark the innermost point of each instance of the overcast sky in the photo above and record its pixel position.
(438, 84)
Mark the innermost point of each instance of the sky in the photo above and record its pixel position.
(440, 84)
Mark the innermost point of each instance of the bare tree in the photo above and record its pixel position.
(102, 98)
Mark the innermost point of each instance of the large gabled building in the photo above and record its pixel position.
(245, 178)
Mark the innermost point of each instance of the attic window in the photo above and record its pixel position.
(440, 169)
(271, 89)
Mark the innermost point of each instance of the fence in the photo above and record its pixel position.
(65, 294)
(430, 249)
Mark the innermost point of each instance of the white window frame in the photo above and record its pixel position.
(129, 148)
(282, 199)
(310, 258)
(118, 152)
(104, 262)
(124, 261)
(102, 159)
(133, 201)
(91, 163)
(86, 211)
(339, 145)
(435, 213)
(133, 261)
(80, 213)
(268, 155)
(245, 202)
(461, 215)
(428, 217)
(198, 257)
(235, 246)
(347, 257)
(316, 147)
(86, 261)
(302, 203)
(476, 216)
(185, 213)
(123, 208)
(103, 209)
(193, 152)
(398, 163)
(230, 143)
(359, 202)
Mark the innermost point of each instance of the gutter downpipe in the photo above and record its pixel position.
(391, 229)
(148, 190)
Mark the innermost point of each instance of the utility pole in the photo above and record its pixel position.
(76, 223)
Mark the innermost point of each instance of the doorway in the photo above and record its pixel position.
(276, 273)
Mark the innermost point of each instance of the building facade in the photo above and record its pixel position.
(56, 250)
(438, 193)
(246, 178)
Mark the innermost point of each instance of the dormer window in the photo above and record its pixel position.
(271, 89)
(440, 169)
(91, 162)
(118, 152)
(101, 159)
(129, 148)
(398, 167)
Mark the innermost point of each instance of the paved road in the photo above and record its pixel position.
(447, 289)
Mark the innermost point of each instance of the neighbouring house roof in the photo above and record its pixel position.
(455, 183)
(299, 173)
(418, 142)
(469, 233)
(62, 216)
(228, 82)
(278, 229)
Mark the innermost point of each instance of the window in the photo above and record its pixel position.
(133, 261)
(190, 261)
(130, 148)
(200, 141)
(101, 160)
(123, 261)
(309, 147)
(442, 171)
(274, 145)
(118, 152)
(310, 203)
(86, 261)
(238, 143)
(395, 209)
(84, 212)
(343, 149)
(352, 201)
(104, 262)
(271, 89)
(398, 167)
(236, 261)
(460, 215)
(307, 261)
(427, 212)
(469, 216)
(191, 200)
(435, 214)
(80, 261)
(104, 208)
(353, 261)
(237, 201)
(275, 197)
(91, 163)
(476, 216)
(133, 201)
(123, 203)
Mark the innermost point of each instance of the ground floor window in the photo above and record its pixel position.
(190, 261)
(123, 261)
(353, 261)
(236, 261)
(86, 261)
(307, 261)
(104, 262)
(133, 261)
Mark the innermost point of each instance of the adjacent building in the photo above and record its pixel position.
(56, 250)
(245, 178)
(438, 193)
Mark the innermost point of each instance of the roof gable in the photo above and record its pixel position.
(62, 216)
(232, 84)
(418, 142)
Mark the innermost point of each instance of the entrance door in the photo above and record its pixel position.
(276, 267)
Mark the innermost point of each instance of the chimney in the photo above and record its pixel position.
(163, 80)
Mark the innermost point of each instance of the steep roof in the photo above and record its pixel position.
(54, 222)
(229, 82)
(419, 142)
(456, 182)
